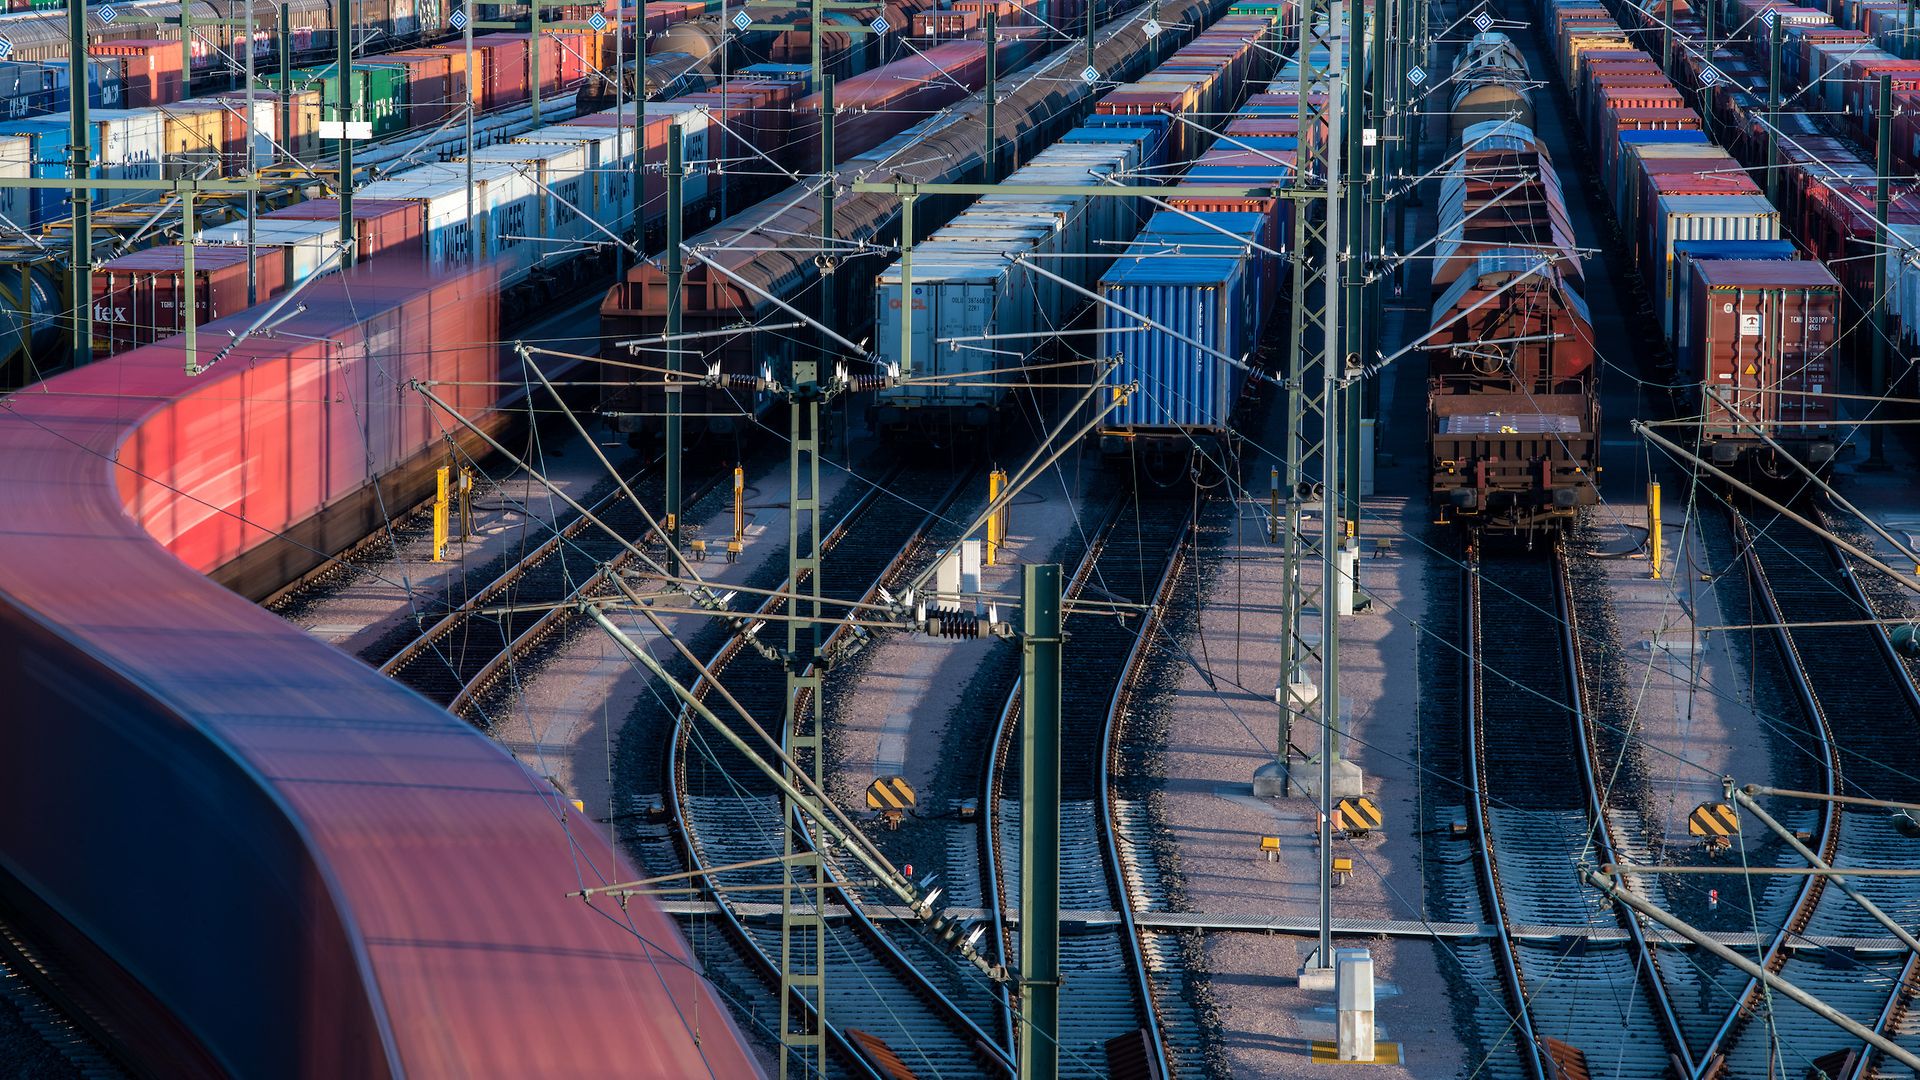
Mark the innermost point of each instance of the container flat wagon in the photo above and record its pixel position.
(1191, 300)
(323, 832)
(1757, 339)
(988, 293)
(757, 266)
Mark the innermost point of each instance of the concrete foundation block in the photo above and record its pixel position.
(1348, 781)
(1270, 781)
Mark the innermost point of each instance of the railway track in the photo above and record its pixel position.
(1112, 970)
(1864, 706)
(887, 982)
(1537, 812)
(461, 654)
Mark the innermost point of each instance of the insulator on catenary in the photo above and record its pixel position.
(953, 623)
(741, 382)
(860, 383)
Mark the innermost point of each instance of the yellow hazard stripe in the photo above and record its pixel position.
(1362, 812)
(1714, 821)
(889, 796)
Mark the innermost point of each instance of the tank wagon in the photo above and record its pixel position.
(1490, 83)
(1513, 411)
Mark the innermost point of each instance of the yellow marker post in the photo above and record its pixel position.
(440, 514)
(466, 504)
(739, 541)
(1653, 527)
(996, 521)
(1273, 506)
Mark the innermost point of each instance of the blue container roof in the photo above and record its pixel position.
(1736, 249)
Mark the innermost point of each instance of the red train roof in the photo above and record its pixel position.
(402, 880)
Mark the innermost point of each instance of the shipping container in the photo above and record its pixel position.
(1209, 299)
(1763, 338)
(16, 163)
(564, 192)
(303, 248)
(141, 297)
(1703, 217)
(152, 75)
(379, 226)
(1685, 254)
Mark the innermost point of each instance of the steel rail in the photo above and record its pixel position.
(1473, 744)
(1119, 867)
(1712, 1060)
(994, 894)
(692, 844)
(1602, 831)
(594, 585)
(1907, 986)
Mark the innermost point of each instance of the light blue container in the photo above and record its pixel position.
(1210, 299)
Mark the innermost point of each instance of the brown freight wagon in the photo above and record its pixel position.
(1764, 336)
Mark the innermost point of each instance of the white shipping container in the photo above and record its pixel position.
(506, 201)
(130, 144)
(16, 163)
(565, 190)
(307, 245)
(609, 164)
(1707, 217)
(695, 145)
(451, 238)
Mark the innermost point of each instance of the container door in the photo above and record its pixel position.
(974, 315)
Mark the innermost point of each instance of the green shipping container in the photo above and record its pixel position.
(384, 87)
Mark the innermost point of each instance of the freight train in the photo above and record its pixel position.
(1754, 331)
(1513, 408)
(750, 267)
(1490, 83)
(325, 836)
(991, 287)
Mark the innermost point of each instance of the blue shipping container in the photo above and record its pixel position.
(1211, 301)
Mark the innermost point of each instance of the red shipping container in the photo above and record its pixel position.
(942, 23)
(429, 96)
(1666, 119)
(1172, 101)
(501, 75)
(379, 225)
(1759, 328)
(153, 75)
(140, 298)
(1863, 88)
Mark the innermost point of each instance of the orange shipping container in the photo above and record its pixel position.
(153, 70)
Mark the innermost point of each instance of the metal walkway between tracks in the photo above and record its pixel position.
(1262, 924)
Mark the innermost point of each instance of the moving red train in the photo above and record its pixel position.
(251, 853)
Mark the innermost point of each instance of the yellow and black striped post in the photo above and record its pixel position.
(1357, 815)
(1714, 822)
(892, 796)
